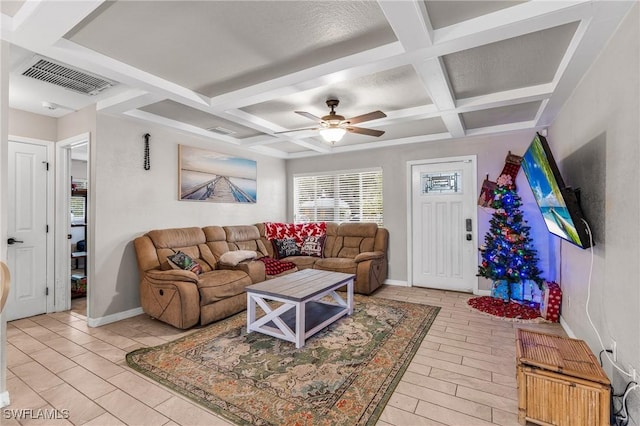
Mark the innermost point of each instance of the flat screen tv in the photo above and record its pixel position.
(559, 204)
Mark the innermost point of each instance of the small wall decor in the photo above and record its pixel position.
(210, 176)
(147, 158)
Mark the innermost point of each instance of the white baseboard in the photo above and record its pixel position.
(97, 322)
(4, 399)
(482, 292)
(566, 328)
(397, 282)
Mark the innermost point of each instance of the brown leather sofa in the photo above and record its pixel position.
(183, 299)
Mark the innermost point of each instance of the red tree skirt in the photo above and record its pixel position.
(511, 311)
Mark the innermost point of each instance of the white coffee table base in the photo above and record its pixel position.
(296, 321)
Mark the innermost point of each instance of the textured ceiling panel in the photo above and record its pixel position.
(503, 115)
(217, 46)
(509, 64)
(288, 147)
(176, 111)
(445, 13)
(423, 127)
(9, 7)
(390, 90)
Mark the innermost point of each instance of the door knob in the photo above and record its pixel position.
(12, 240)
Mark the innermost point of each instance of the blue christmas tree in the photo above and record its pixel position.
(507, 253)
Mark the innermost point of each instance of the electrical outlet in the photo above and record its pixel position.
(614, 350)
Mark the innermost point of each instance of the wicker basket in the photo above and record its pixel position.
(559, 381)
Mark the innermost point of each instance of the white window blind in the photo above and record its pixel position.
(349, 196)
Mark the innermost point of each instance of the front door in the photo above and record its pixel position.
(444, 250)
(27, 230)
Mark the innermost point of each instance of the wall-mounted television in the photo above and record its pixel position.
(559, 204)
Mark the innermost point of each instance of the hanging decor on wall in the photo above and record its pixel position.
(210, 176)
(147, 158)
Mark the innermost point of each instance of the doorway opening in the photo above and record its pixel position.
(78, 227)
(72, 208)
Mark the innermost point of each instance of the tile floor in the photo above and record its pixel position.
(463, 374)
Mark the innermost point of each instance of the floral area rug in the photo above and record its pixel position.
(344, 375)
(509, 311)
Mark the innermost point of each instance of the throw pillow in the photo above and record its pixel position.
(313, 246)
(234, 257)
(183, 261)
(286, 247)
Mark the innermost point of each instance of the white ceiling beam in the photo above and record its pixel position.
(407, 19)
(271, 152)
(502, 128)
(313, 145)
(514, 21)
(379, 144)
(179, 125)
(349, 67)
(505, 98)
(126, 101)
(41, 23)
(453, 121)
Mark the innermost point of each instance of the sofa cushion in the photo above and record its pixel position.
(285, 247)
(347, 266)
(221, 284)
(302, 262)
(245, 237)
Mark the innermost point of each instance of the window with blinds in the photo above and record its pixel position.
(349, 196)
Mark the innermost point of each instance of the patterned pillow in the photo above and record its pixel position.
(183, 261)
(313, 246)
(275, 266)
(285, 247)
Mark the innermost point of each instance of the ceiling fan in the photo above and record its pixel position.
(334, 126)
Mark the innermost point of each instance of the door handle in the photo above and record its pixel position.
(12, 240)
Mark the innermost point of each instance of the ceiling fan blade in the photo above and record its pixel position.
(363, 131)
(308, 115)
(296, 130)
(374, 115)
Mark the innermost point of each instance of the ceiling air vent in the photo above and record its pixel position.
(63, 76)
(220, 130)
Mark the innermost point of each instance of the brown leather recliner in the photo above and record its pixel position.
(182, 298)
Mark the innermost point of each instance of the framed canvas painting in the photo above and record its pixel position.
(213, 177)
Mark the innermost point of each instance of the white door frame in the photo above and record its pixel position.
(50, 266)
(474, 194)
(63, 196)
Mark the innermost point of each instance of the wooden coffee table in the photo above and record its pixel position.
(301, 312)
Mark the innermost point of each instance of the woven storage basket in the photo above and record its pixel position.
(559, 381)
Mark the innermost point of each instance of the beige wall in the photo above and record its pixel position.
(490, 152)
(130, 201)
(604, 110)
(30, 125)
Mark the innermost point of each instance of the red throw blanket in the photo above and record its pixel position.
(275, 266)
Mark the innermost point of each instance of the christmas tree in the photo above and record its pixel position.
(507, 254)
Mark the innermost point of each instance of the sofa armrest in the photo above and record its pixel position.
(172, 275)
(368, 255)
(255, 269)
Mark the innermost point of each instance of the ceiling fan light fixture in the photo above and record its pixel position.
(332, 134)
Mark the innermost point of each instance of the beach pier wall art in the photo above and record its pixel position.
(213, 177)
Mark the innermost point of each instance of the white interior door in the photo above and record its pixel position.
(444, 249)
(27, 229)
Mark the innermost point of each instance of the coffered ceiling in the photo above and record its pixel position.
(235, 71)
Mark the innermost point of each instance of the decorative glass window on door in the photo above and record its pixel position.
(441, 183)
